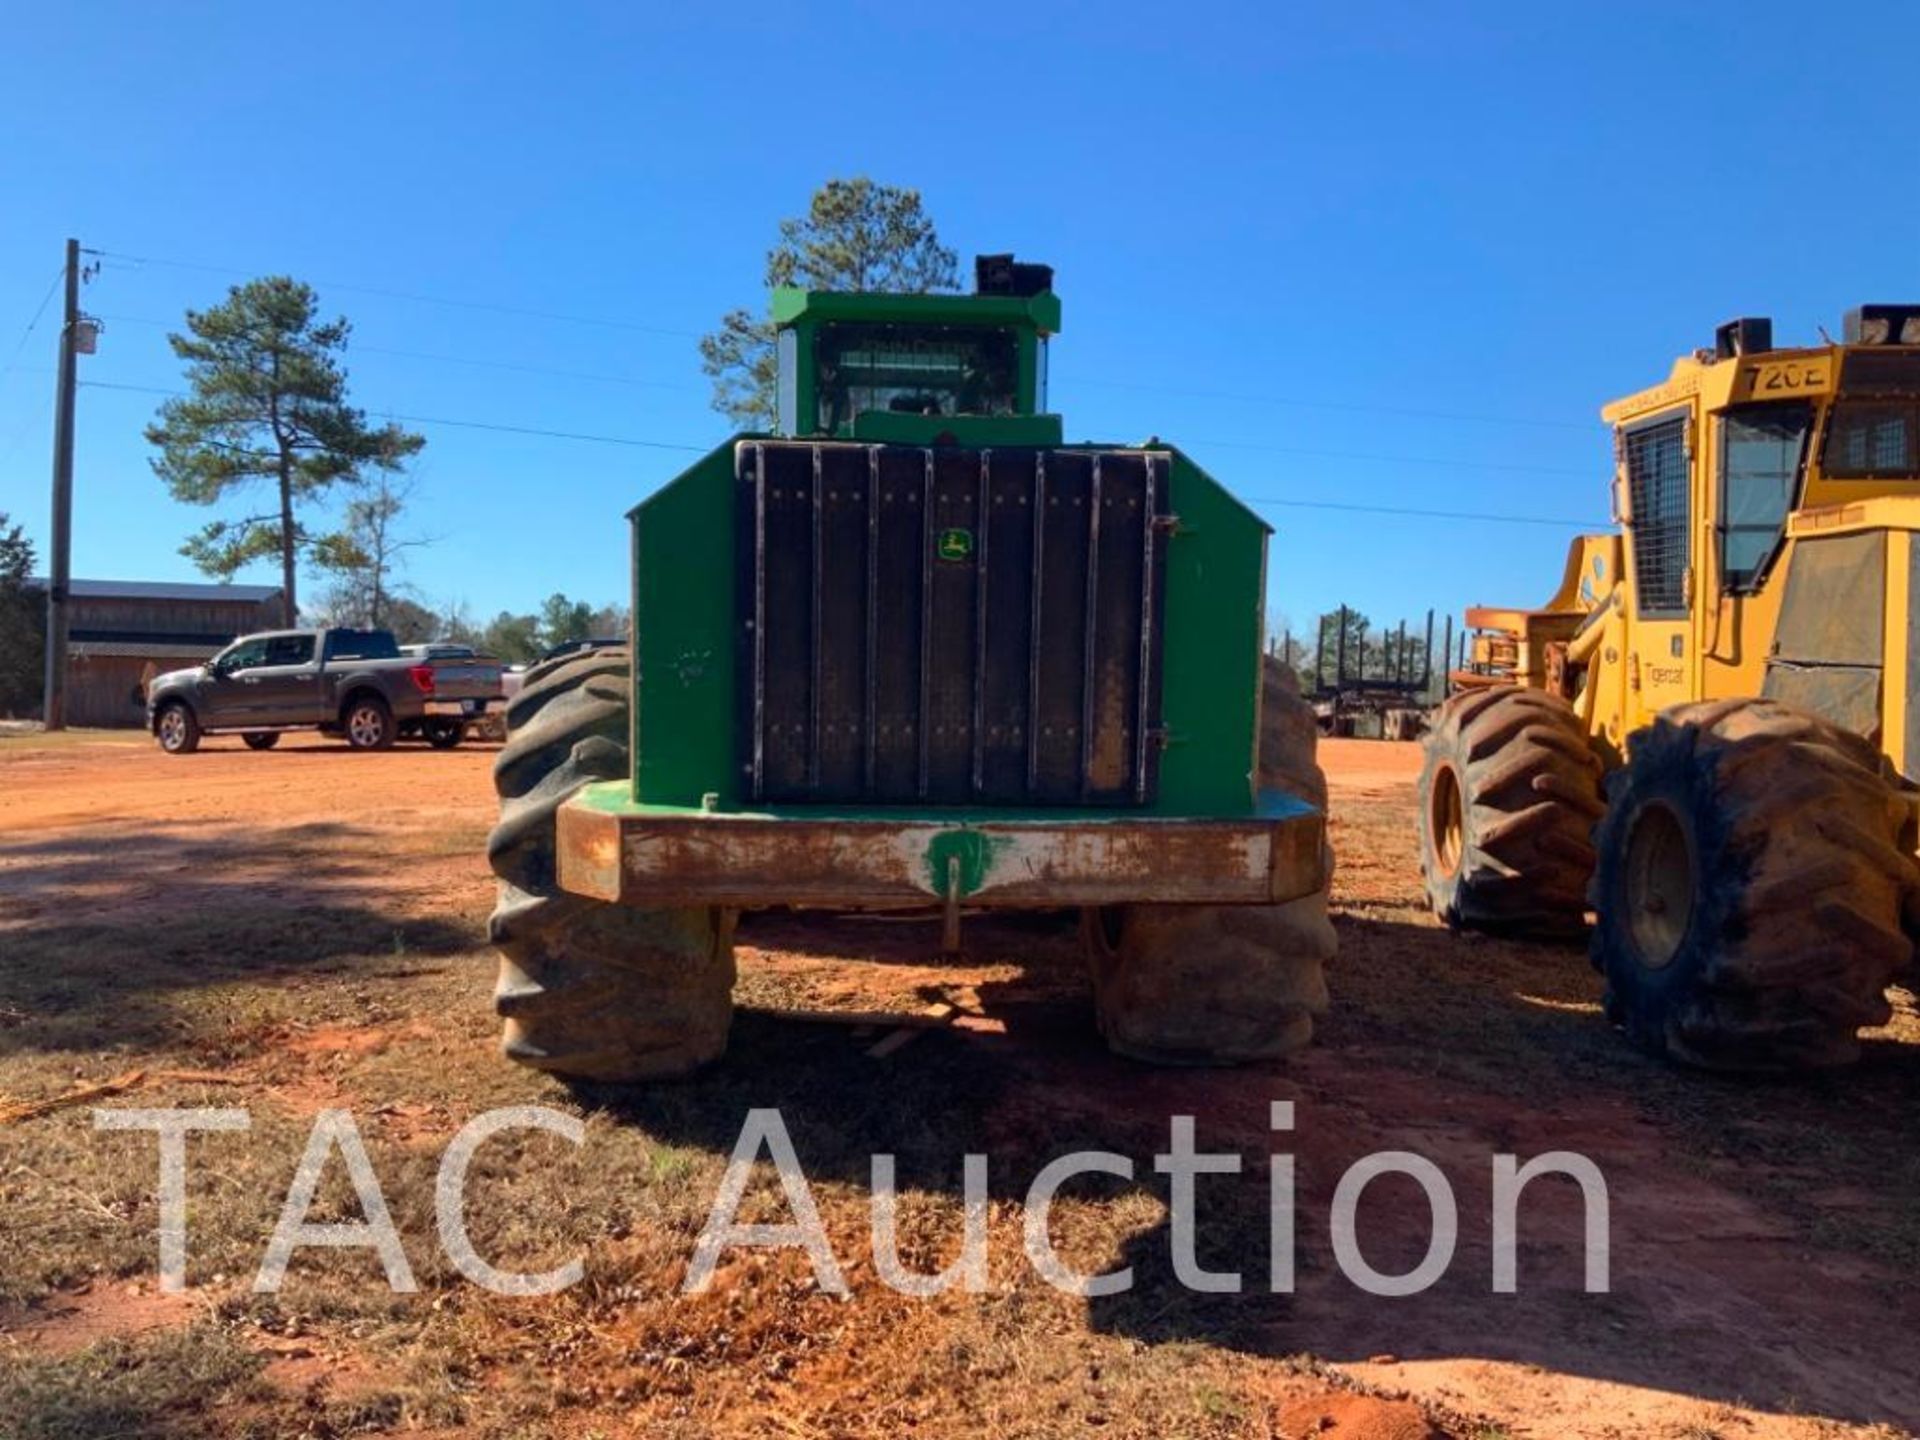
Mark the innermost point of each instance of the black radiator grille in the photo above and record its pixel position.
(949, 626)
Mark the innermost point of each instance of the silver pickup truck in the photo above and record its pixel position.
(354, 683)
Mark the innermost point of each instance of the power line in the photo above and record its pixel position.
(516, 366)
(1352, 407)
(38, 311)
(526, 369)
(356, 348)
(504, 429)
(490, 306)
(1395, 459)
(635, 441)
(523, 368)
(664, 445)
(1476, 515)
(554, 434)
(495, 307)
(19, 433)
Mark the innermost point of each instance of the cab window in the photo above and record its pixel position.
(289, 650)
(243, 656)
(1656, 456)
(914, 369)
(1762, 450)
(361, 645)
(1871, 442)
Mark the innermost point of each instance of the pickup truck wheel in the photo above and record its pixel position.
(445, 734)
(369, 724)
(176, 728)
(261, 739)
(590, 990)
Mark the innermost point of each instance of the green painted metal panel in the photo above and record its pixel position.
(615, 798)
(1034, 312)
(683, 625)
(685, 622)
(1210, 697)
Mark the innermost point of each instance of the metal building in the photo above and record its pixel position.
(124, 632)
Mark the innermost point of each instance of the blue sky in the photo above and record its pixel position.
(1365, 254)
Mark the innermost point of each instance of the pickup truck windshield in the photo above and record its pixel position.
(361, 645)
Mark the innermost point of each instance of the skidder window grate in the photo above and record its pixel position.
(1657, 486)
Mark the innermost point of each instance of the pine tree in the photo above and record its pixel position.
(267, 405)
(856, 236)
(23, 621)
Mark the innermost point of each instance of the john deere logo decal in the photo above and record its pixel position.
(955, 544)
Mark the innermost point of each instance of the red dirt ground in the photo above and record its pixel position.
(1763, 1259)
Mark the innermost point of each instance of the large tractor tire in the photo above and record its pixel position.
(1755, 867)
(590, 990)
(1509, 796)
(1222, 984)
(1208, 984)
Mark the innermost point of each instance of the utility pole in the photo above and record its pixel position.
(60, 572)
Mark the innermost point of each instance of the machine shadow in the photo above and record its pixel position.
(1458, 1048)
(102, 929)
(1016, 970)
(1450, 1047)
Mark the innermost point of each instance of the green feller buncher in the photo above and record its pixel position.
(914, 651)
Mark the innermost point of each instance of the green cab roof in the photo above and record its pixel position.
(1037, 312)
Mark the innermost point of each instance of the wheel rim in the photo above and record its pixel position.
(365, 726)
(1660, 885)
(1446, 819)
(173, 729)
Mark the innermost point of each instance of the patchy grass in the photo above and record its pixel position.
(341, 964)
(177, 1384)
(19, 738)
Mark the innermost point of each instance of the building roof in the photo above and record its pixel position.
(163, 590)
(131, 650)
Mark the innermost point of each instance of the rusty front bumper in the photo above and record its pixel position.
(612, 850)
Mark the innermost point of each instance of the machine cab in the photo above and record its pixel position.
(1739, 480)
(916, 368)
